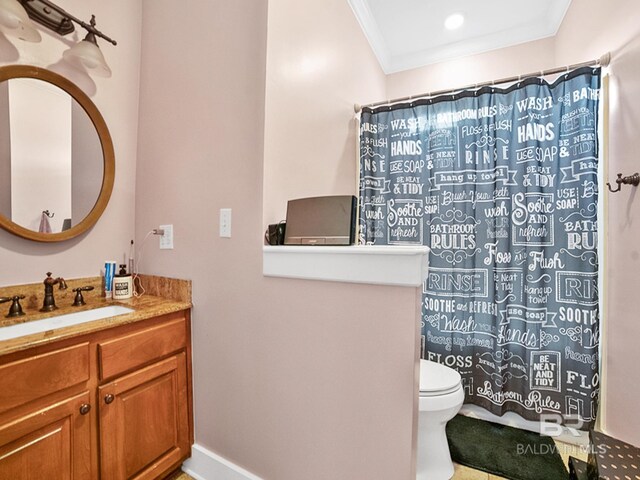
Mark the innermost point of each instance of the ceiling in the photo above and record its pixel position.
(406, 34)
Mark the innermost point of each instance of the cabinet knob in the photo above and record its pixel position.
(109, 398)
(85, 408)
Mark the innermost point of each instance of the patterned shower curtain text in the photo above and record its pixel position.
(501, 184)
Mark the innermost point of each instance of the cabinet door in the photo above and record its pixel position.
(144, 426)
(52, 443)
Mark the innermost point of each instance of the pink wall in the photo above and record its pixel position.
(86, 160)
(319, 65)
(293, 379)
(590, 29)
(23, 261)
(461, 72)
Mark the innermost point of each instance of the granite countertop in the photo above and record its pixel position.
(152, 304)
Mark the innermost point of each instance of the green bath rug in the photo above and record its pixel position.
(505, 451)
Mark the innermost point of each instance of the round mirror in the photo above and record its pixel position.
(56, 156)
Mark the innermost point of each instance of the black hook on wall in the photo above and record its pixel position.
(628, 180)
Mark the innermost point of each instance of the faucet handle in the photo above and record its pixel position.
(79, 300)
(62, 284)
(16, 309)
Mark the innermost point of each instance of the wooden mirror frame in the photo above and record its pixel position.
(108, 156)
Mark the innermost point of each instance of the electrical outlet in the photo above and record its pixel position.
(225, 222)
(166, 240)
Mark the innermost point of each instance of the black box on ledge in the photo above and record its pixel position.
(275, 233)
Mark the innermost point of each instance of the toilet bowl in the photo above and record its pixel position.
(441, 397)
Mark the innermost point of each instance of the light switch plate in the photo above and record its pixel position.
(225, 222)
(166, 240)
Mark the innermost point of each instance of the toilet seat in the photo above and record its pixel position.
(437, 379)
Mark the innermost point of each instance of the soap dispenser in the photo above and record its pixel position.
(122, 284)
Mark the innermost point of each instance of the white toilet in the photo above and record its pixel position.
(441, 397)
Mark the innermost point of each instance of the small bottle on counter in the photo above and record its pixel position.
(122, 284)
(109, 272)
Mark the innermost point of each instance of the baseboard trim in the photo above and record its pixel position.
(206, 465)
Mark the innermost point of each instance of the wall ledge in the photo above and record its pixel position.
(397, 265)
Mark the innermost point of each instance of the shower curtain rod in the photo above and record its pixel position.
(603, 61)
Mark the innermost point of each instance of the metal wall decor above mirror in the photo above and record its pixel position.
(57, 162)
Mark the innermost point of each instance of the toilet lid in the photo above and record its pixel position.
(437, 378)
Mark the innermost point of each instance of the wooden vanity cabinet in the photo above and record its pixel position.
(144, 415)
(114, 405)
(51, 442)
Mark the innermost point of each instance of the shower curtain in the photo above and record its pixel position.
(501, 185)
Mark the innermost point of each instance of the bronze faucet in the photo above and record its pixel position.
(16, 308)
(49, 303)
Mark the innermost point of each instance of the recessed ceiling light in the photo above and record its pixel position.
(454, 21)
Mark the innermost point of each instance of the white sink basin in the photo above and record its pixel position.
(61, 321)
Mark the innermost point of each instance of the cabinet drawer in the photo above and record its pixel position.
(135, 349)
(31, 378)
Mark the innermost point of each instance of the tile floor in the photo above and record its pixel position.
(183, 476)
(564, 449)
(465, 473)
